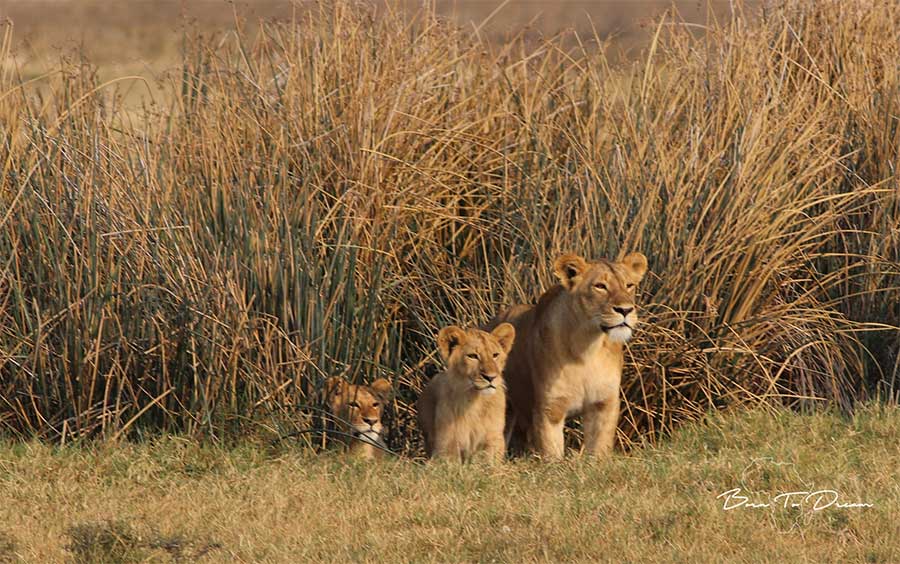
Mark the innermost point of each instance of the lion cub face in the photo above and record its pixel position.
(358, 409)
(602, 292)
(475, 358)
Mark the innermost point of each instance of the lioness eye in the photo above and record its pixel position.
(600, 286)
(496, 355)
(353, 404)
(629, 286)
(473, 356)
(375, 404)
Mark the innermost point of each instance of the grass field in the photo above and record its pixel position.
(170, 499)
(318, 197)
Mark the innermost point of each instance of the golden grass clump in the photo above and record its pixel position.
(321, 199)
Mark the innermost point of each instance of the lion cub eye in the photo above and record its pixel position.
(496, 355)
(353, 404)
(629, 286)
(375, 404)
(472, 356)
(600, 286)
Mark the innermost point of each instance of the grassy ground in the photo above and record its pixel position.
(174, 499)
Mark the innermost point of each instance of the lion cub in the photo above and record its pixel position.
(357, 412)
(462, 410)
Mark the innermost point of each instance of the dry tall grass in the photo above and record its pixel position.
(321, 200)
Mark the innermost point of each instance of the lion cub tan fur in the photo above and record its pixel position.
(357, 414)
(568, 354)
(462, 411)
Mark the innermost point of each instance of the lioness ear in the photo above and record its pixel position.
(505, 334)
(335, 389)
(448, 339)
(382, 389)
(567, 268)
(637, 264)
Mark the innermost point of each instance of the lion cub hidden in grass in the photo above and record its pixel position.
(568, 354)
(462, 410)
(357, 412)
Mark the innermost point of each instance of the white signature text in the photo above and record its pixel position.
(815, 501)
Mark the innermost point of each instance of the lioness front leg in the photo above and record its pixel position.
(600, 422)
(516, 433)
(547, 433)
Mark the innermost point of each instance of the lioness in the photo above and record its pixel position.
(357, 412)
(567, 359)
(462, 410)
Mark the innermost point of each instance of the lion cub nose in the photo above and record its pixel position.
(370, 420)
(623, 310)
(488, 377)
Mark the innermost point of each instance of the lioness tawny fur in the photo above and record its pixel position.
(568, 354)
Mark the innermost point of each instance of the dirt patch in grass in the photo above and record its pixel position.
(118, 541)
(7, 548)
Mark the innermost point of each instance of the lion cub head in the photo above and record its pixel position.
(602, 292)
(357, 410)
(475, 358)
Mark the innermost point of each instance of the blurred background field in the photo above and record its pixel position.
(317, 194)
(145, 37)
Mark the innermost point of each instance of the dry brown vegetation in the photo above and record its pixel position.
(321, 198)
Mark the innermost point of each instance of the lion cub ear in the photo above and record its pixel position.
(382, 389)
(335, 390)
(448, 339)
(637, 264)
(568, 268)
(505, 334)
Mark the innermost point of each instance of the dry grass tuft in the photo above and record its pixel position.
(320, 200)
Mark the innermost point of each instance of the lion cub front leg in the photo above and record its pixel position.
(494, 448)
(600, 422)
(446, 444)
(447, 450)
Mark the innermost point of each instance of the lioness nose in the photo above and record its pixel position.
(370, 421)
(623, 310)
